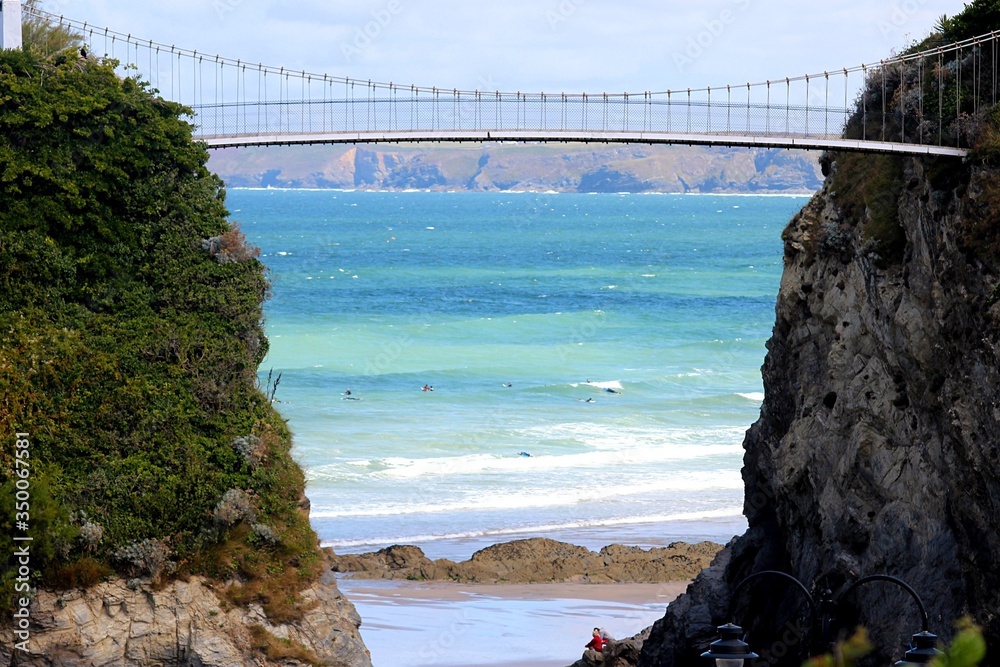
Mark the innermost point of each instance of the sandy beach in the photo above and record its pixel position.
(424, 624)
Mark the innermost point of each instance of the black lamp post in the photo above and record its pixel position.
(732, 651)
(923, 649)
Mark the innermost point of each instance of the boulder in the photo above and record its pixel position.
(616, 653)
(180, 624)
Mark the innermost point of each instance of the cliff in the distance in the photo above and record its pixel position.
(520, 167)
(877, 445)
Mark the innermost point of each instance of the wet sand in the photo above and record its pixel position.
(424, 624)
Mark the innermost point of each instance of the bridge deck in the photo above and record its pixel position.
(439, 136)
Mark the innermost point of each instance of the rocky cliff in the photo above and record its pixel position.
(877, 443)
(183, 623)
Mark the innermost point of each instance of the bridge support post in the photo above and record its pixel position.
(10, 24)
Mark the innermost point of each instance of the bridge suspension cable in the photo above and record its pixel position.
(254, 104)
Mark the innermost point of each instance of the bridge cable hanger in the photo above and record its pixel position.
(239, 103)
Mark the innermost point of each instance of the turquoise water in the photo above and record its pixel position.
(667, 300)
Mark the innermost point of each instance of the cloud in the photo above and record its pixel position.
(531, 45)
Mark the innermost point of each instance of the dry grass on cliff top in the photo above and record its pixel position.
(275, 648)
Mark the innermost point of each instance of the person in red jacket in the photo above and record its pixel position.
(596, 642)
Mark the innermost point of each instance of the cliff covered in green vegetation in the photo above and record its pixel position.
(130, 312)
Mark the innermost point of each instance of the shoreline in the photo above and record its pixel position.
(529, 602)
(447, 624)
(451, 591)
(648, 535)
(535, 560)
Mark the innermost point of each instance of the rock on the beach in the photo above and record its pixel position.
(538, 559)
(399, 557)
(617, 653)
(181, 624)
(535, 560)
(877, 447)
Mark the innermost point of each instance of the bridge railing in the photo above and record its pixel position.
(936, 96)
(487, 112)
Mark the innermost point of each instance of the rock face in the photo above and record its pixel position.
(877, 445)
(182, 624)
(617, 653)
(536, 560)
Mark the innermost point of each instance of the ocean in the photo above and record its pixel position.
(594, 360)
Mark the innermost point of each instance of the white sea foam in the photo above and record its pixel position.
(752, 395)
(609, 384)
(487, 464)
(474, 501)
(683, 443)
(608, 444)
(773, 195)
(722, 513)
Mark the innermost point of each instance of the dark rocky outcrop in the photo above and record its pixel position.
(877, 445)
(535, 560)
(617, 653)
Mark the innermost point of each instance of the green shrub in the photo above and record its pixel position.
(987, 150)
(130, 312)
(868, 189)
(967, 649)
(977, 17)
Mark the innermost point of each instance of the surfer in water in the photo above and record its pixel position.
(508, 384)
(611, 391)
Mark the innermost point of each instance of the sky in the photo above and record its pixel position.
(532, 45)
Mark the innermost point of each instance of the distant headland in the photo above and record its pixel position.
(532, 167)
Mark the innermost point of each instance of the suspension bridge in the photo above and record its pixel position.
(929, 102)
